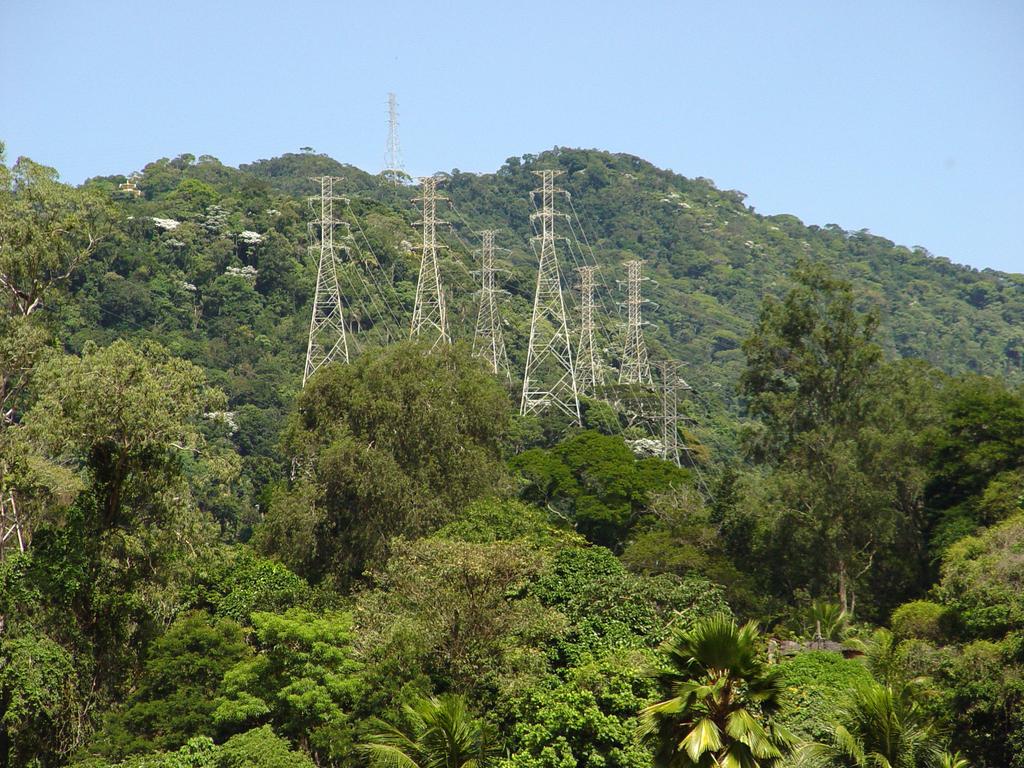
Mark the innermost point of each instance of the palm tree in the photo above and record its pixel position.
(720, 702)
(442, 734)
(883, 728)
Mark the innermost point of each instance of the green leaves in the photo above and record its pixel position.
(442, 734)
(47, 232)
(303, 679)
(395, 444)
(722, 700)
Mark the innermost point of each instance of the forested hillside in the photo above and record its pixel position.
(206, 564)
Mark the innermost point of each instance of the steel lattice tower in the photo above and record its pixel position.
(671, 385)
(393, 168)
(327, 338)
(488, 341)
(635, 368)
(11, 529)
(589, 371)
(549, 378)
(428, 314)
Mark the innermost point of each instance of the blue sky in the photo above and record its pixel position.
(905, 118)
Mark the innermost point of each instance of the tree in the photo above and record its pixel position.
(982, 581)
(722, 701)
(114, 557)
(595, 482)
(458, 614)
(38, 700)
(882, 728)
(303, 679)
(586, 718)
(122, 415)
(395, 443)
(47, 231)
(442, 734)
(841, 432)
(180, 681)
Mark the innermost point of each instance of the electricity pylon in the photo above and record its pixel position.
(589, 372)
(327, 338)
(428, 315)
(393, 168)
(12, 533)
(488, 341)
(635, 368)
(671, 385)
(549, 378)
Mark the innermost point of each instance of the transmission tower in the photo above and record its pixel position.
(12, 533)
(635, 368)
(393, 168)
(327, 340)
(589, 372)
(428, 314)
(549, 378)
(671, 385)
(488, 341)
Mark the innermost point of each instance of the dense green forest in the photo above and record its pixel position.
(389, 567)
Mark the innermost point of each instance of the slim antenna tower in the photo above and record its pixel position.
(488, 341)
(549, 378)
(635, 368)
(393, 168)
(671, 385)
(428, 315)
(327, 339)
(589, 373)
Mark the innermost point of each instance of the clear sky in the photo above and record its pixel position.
(902, 117)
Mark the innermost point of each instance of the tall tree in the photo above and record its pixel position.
(839, 427)
(47, 232)
(721, 699)
(442, 734)
(882, 728)
(394, 443)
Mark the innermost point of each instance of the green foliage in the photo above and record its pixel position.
(587, 719)
(487, 520)
(38, 699)
(985, 683)
(981, 440)
(882, 726)
(237, 583)
(983, 582)
(921, 619)
(258, 748)
(457, 615)
(395, 443)
(609, 608)
(124, 415)
(845, 493)
(47, 231)
(816, 684)
(595, 482)
(303, 680)
(442, 734)
(180, 680)
(720, 700)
